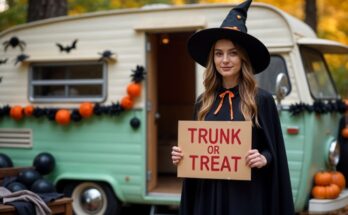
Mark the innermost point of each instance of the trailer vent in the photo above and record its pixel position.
(19, 138)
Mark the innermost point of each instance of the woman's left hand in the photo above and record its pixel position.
(255, 159)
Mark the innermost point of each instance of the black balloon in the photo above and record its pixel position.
(135, 123)
(16, 186)
(44, 163)
(28, 176)
(43, 186)
(5, 161)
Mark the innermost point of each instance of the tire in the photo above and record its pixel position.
(90, 198)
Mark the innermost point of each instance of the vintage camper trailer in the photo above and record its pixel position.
(103, 161)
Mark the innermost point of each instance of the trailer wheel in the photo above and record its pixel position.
(92, 198)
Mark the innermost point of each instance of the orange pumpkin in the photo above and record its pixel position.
(134, 90)
(63, 117)
(16, 112)
(28, 110)
(345, 132)
(322, 178)
(127, 102)
(319, 192)
(338, 179)
(86, 109)
(332, 191)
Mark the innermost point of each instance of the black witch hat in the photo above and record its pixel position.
(233, 28)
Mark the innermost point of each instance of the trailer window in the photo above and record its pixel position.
(67, 82)
(267, 79)
(318, 75)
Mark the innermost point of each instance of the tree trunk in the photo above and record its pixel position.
(43, 9)
(311, 14)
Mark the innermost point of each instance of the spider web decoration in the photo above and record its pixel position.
(319, 107)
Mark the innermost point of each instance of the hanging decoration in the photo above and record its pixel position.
(135, 122)
(106, 55)
(63, 117)
(319, 107)
(3, 61)
(14, 42)
(16, 112)
(86, 109)
(28, 110)
(68, 48)
(21, 58)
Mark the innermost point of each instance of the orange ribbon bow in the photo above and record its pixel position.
(222, 96)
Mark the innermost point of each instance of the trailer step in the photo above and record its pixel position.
(163, 210)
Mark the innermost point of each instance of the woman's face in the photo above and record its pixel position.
(227, 60)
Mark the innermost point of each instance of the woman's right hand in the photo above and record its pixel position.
(176, 155)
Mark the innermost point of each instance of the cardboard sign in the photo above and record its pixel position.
(214, 149)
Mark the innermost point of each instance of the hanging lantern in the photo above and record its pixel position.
(86, 109)
(16, 112)
(63, 117)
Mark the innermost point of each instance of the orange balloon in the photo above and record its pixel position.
(86, 109)
(63, 117)
(28, 110)
(127, 102)
(134, 90)
(16, 112)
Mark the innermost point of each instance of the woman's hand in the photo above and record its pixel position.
(176, 155)
(255, 159)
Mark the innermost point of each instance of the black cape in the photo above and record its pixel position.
(269, 191)
(342, 165)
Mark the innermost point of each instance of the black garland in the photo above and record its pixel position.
(319, 107)
(50, 113)
(114, 109)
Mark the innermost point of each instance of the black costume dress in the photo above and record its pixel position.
(268, 192)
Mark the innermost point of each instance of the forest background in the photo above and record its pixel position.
(327, 17)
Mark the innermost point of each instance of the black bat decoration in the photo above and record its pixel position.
(21, 58)
(3, 61)
(67, 49)
(0, 79)
(14, 42)
(105, 55)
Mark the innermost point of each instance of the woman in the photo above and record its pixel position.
(232, 57)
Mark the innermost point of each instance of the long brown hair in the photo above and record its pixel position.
(247, 86)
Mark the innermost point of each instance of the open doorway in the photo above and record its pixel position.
(174, 85)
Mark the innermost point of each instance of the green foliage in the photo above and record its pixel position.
(14, 15)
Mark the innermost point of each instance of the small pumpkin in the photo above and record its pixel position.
(63, 117)
(345, 132)
(16, 112)
(86, 109)
(322, 178)
(319, 192)
(134, 90)
(127, 102)
(332, 191)
(28, 110)
(338, 179)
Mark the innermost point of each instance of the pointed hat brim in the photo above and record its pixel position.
(200, 44)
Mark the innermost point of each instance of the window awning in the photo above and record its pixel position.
(324, 46)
